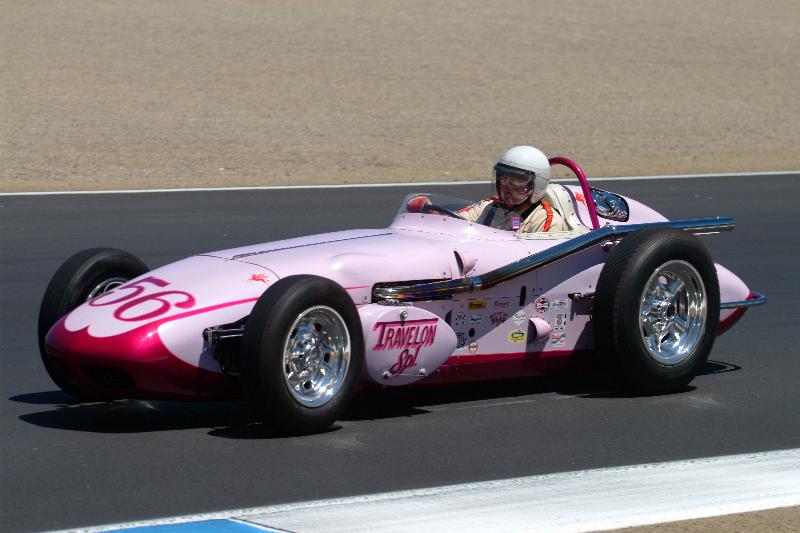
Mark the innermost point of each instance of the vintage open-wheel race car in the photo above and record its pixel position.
(296, 325)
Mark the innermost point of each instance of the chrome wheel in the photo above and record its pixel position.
(105, 286)
(672, 313)
(316, 356)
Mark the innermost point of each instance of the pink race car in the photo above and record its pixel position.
(296, 325)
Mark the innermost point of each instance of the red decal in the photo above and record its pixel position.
(579, 197)
(137, 290)
(259, 277)
(405, 360)
(133, 299)
(163, 307)
(406, 334)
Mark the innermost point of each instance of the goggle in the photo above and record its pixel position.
(514, 178)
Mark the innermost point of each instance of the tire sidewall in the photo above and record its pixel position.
(70, 286)
(262, 353)
(640, 259)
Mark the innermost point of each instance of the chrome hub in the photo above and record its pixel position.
(316, 356)
(672, 313)
(105, 286)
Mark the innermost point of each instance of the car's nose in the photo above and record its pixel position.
(135, 364)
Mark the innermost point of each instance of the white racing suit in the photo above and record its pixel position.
(528, 217)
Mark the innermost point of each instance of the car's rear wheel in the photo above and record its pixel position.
(302, 354)
(656, 309)
(83, 276)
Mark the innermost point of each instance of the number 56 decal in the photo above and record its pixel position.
(136, 305)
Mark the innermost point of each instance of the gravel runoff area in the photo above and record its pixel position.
(783, 520)
(100, 94)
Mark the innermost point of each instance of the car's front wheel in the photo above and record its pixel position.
(83, 276)
(302, 354)
(656, 309)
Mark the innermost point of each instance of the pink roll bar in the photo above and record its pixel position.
(587, 193)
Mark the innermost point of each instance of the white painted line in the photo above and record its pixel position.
(587, 500)
(786, 173)
(264, 188)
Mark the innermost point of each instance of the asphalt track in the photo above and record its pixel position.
(66, 465)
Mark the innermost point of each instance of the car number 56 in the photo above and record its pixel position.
(134, 298)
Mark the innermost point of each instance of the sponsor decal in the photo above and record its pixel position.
(519, 317)
(558, 339)
(462, 340)
(259, 277)
(408, 336)
(502, 304)
(560, 322)
(474, 320)
(405, 360)
(405, 334)
(473, 347)
(498, 318)
(542, 305)
(516, 336)
(580, 198)
(474, 305)
(460, 319)
(558, 304)
(516, 222)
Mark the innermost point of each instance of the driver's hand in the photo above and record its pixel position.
(416, 204)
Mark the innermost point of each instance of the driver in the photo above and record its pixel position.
(521, 176)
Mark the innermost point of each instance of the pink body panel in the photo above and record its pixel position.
(142, 355)
(355, 259)
(403, 344)
(497, 329)
(639, 213)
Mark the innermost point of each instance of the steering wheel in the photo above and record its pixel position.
(433, 208)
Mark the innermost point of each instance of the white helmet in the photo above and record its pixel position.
(523, 163)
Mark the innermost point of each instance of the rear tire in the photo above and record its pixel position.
(302, 354)
(656, 309)
(83, 276)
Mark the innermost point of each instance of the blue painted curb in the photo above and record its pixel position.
(203, 526)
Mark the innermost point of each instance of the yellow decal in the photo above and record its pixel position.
(516, 336)
(476, 304)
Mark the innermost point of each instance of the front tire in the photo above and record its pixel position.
(656, 309)
(83, 276)
(302, 354)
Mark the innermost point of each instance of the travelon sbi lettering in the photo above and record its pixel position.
(408, 336)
